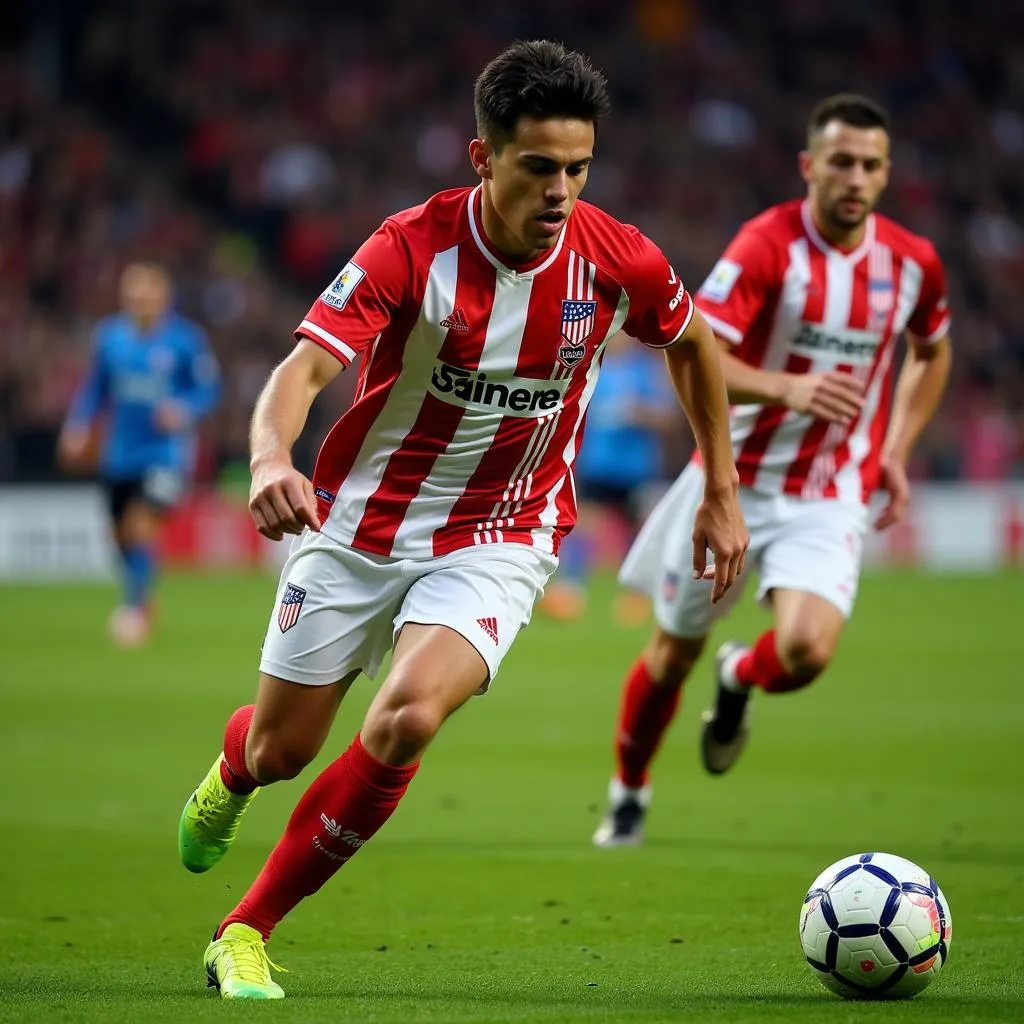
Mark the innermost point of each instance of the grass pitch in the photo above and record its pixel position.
(483, 900)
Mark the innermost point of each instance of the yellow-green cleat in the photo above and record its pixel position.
(237, 964)
(209, 822)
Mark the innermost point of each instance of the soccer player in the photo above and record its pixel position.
(439, 499)
(807, 302)
(152, 377)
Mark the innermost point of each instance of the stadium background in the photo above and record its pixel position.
(252, 146)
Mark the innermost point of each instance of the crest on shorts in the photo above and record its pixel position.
(670, 586)
(290, 606)
(577, 323)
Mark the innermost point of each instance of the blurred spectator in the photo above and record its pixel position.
(251, 145)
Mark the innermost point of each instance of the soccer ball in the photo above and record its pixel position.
(875, 926)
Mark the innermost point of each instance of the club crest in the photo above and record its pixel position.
(577, 324)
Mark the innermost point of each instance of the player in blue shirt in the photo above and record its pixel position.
(151, 378)
(629, 416)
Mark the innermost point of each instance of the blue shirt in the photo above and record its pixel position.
(130, 376)
(617, 452)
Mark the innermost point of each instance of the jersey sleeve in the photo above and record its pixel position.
(660, 307)
(362, 300)
(930, 318)
(734, 293)
(200, 374)
(94, 391)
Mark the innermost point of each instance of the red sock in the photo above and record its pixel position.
(760, 666)
(233, 772)
(339, 813)
(644, 715)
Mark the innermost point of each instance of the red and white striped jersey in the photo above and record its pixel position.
(471, 397)
(789, 301)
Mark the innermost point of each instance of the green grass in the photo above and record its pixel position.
(483, 900)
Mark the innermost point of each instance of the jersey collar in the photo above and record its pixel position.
(855, 255)
(523, 270)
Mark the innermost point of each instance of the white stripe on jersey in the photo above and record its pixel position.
(848, 480)
(549, 517)
(453, 469)
(336, 343)
(400, 411)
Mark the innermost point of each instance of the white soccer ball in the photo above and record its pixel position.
(875, 926)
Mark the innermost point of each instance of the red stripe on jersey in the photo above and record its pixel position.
(492, 506)
(437, 422)
(772, 417)
(378, 372)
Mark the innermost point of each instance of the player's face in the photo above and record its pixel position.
(531, 186)
(145, 293)
(846, 170)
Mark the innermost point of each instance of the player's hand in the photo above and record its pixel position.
(281, 500)
(835, 396)
(171, 417)
(73, 447)
(894, 480)
(719, 527)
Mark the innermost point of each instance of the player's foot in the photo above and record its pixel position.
(725, 725)
(209, 822)
(237, 964)
(623, 823)
(129, 626)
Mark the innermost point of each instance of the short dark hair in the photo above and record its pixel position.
(850, 108)
(541, 79)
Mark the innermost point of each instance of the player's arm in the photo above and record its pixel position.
(197, 388)
(89, 400)
(833, 395)
(696, 373)
(281, 499)
(919, 389)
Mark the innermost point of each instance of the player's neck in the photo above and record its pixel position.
(846, 239)
(497, 238)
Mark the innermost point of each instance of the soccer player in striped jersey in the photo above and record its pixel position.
(808, 303)
(439, 499)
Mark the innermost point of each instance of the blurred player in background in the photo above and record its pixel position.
(440, 497)
(807, 302)
(151, 378)
(629, 417)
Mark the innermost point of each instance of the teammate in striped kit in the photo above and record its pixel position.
(807, 302)
(439, 499)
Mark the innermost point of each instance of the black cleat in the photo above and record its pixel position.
(725, 725)
(623, 823)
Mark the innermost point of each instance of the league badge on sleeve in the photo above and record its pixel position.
(291, 605)
(721, 281)
(341, 289)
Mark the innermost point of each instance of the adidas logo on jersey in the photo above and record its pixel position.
(456, 322)
(490, 627)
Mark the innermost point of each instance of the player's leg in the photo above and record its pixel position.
(660, 565)
(436, 667)
(810, 572)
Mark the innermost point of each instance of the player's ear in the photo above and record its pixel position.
(480, 157)
(804, 162)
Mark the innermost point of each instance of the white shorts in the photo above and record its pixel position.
(339, 609)
(795, 544)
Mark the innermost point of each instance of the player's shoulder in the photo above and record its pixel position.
(620, 249)
(775, 227)
(185, 330)
(904, 241)
(437, 224)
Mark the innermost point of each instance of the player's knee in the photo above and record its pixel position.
(410, 726)
(271, 760)
(806, 653)
(670, 658)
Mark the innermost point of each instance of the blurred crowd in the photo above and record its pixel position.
(252, 145)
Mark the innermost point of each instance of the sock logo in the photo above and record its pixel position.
(490, 627)
(346, 835)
